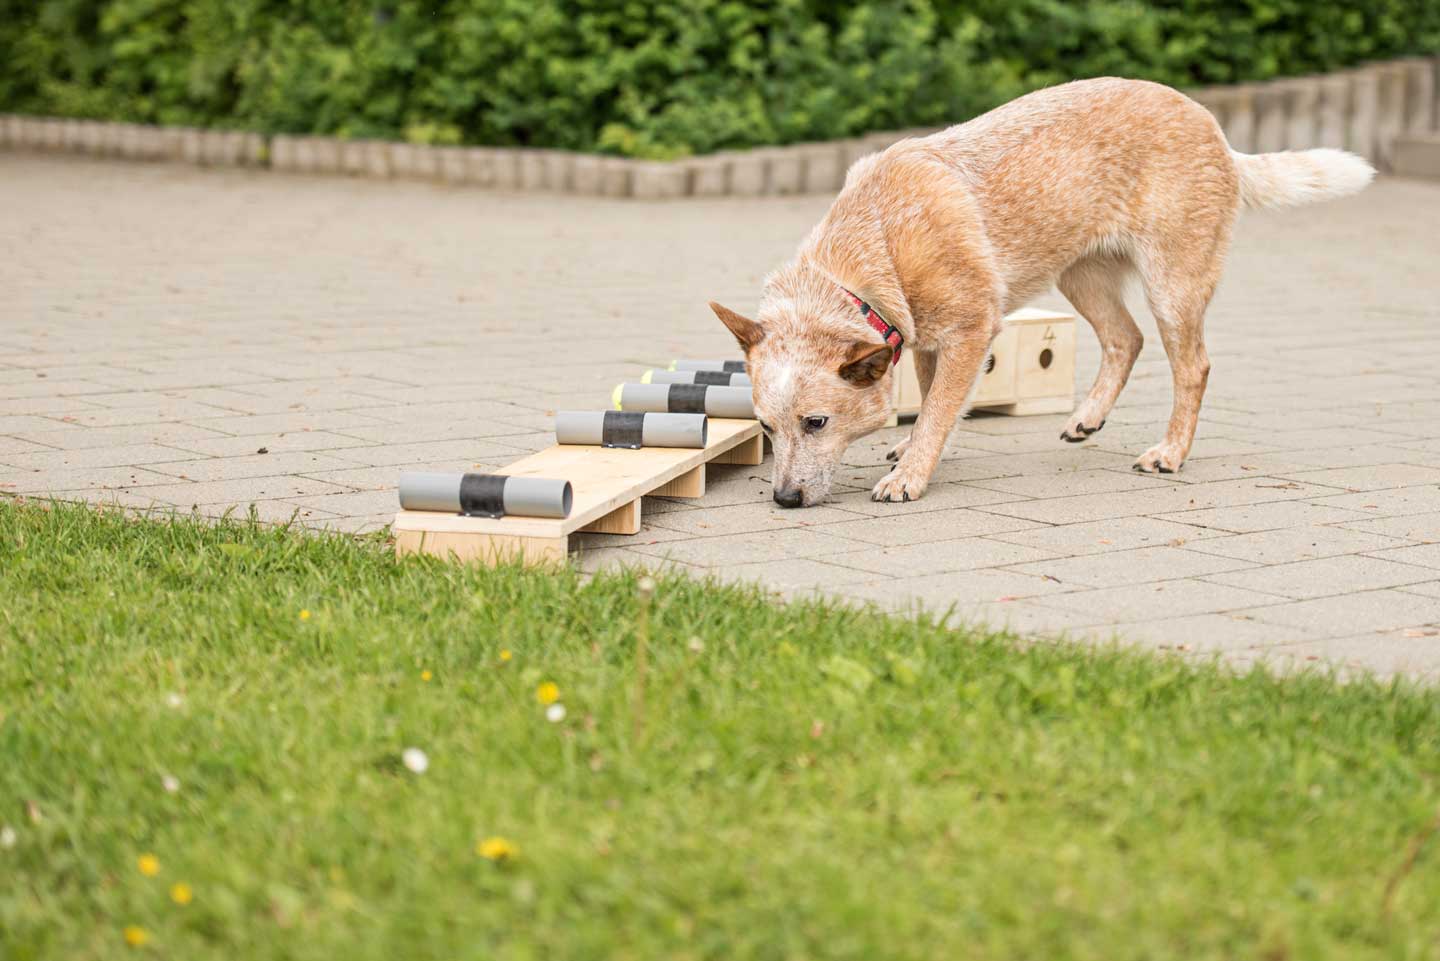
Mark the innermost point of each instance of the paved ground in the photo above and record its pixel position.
(160, 325)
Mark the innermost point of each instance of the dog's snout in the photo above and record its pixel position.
(789, 496)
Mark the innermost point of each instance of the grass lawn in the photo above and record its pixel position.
(217, 715)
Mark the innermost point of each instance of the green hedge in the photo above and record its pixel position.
(656, 79)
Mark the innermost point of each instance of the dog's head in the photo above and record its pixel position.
(819, 386)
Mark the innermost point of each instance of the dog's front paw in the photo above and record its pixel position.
(901, 484)
(1086, 420)
(898, 450)
(1076, 431)
(1160, 459)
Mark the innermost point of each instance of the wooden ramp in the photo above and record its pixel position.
(609, 484)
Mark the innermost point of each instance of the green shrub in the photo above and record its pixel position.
(655, 79)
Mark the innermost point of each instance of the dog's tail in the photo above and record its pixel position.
(1298, 177)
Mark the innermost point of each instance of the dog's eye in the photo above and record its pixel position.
(814, 422)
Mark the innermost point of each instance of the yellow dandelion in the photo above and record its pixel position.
(547, 693)
(180, 893)
(148, 864)
(304, 614)
(505, 655)
(497, 850)
(136, 936)
(426, 675)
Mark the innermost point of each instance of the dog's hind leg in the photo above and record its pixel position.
(925, 374)
(1094, 285)
(1179, 284)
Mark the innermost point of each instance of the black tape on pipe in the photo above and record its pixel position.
(734, 366)
(717, 377)
(687, 398)
(482, 495)
(623, 428)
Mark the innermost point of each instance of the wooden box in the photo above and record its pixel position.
(1031, 368)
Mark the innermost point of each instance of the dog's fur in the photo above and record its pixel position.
(1077, 186)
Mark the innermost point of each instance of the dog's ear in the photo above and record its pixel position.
(866, 362)
(746, 331)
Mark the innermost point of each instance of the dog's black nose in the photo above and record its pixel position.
(790, 497)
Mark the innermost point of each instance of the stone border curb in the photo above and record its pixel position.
(1365, 109)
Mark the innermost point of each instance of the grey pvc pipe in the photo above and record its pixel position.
(722, 378)
(730, 365)
(657, 430)
(686, 398)
(498, 494)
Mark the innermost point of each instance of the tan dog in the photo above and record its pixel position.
(1079, 185)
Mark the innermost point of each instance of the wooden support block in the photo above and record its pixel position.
(751, 453)
(689, 484)
(624, 519)
(491, 549)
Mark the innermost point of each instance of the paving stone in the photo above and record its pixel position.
(1371, 476)
(1324, 576)
(1098, 537)
(1026, 618)
(163, 434)
(1424, 555)
(1414, 527)
(1292, 544)
(1137, 566)
(276, 443)
(1387, 503)
(13, 447)
(1212, 633)
(1377, 654)
(255, 465)
(241, 491)
(1160, 501)
(919, 528)
(723, 551)
(333, 499)
(1262, 517)
(595, 559)
(937, 557)
(1072, 483)
(1424, 589)
(60, 461)
(937, 592)
(1356, 612)
(938, 497)
(461, 452)
(293, 420)
(794, 576)
(744, 518)
(1146, 602)
(62, 481)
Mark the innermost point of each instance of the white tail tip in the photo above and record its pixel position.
(1298, 177)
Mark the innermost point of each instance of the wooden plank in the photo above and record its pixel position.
(624, 519)
(689, 484)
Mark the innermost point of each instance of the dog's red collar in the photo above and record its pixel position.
(889, 331)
